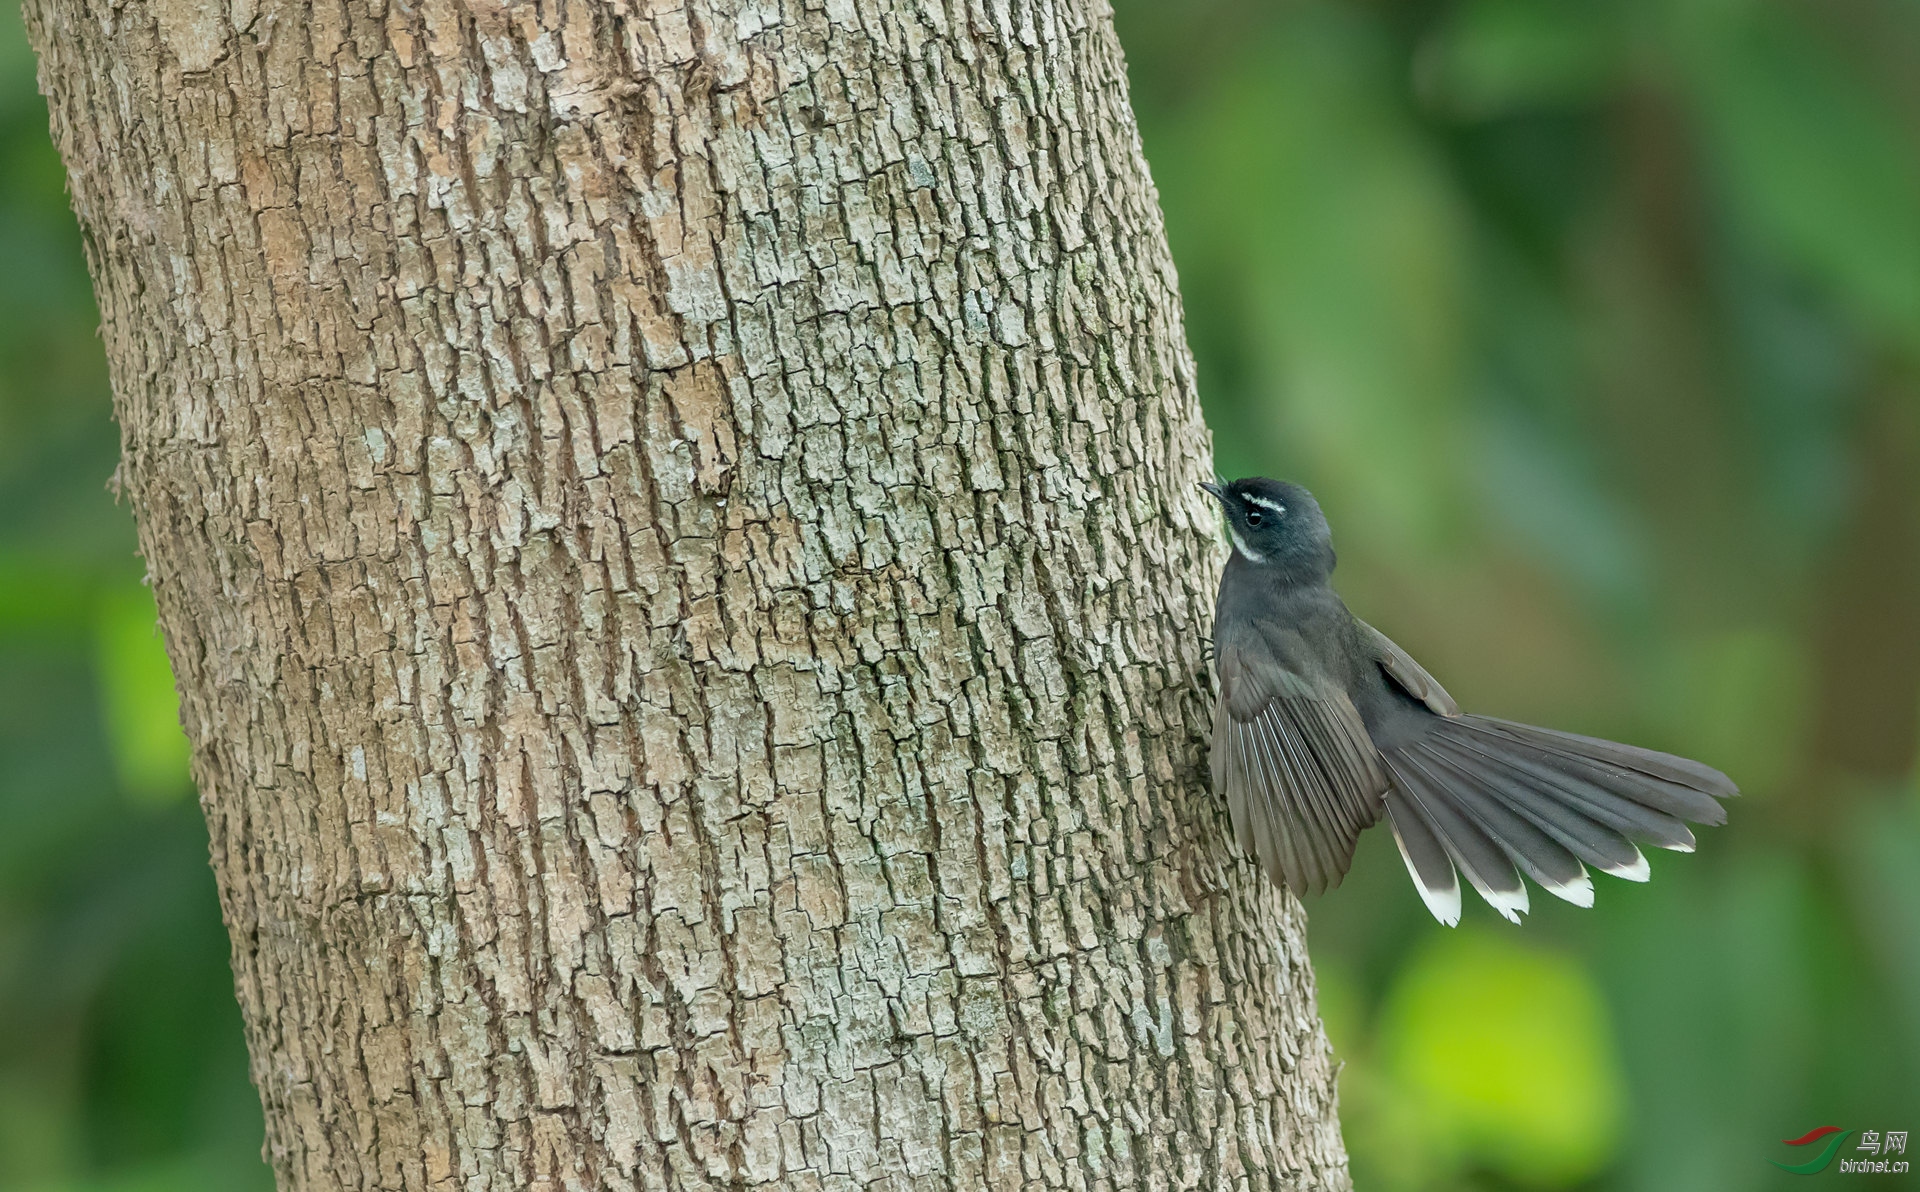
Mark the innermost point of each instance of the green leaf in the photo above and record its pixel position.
(1510, 1052)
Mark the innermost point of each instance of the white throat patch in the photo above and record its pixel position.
(1240, 544)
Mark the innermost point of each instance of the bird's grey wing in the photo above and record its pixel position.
(1291, 756)
(1410, 675)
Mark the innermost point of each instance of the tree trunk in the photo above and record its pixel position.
(677, 531)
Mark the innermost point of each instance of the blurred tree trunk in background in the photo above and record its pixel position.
(1866, 683)
(677, 534)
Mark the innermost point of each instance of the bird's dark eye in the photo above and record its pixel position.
(1253, 517)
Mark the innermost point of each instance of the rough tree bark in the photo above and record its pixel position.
(676, 529)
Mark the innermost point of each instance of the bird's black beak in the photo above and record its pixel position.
(1219, 494)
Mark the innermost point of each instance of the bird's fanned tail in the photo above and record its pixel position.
(1497, 800)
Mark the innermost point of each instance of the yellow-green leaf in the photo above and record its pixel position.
(1509, 1053)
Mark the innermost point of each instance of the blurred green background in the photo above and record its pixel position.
(121, 1061)
(1596, 326)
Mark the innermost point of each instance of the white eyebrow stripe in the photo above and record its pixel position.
(1275, 506)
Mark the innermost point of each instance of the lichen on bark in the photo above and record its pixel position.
(676, 528)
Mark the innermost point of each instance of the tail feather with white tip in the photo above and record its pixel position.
(1494, 800)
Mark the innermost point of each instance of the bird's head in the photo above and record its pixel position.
(1276, 524)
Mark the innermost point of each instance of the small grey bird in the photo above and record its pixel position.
(1322, 723)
